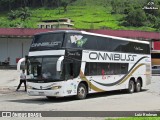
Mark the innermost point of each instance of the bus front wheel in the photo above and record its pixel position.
(81, 91)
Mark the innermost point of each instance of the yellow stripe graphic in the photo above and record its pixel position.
(93, 87)
(130, 74)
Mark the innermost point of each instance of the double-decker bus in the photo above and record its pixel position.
(69, 62)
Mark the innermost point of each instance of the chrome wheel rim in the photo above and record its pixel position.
(138, 86)
(131, 87)
(81, 92)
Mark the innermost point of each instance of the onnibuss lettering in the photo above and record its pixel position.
(111, 56)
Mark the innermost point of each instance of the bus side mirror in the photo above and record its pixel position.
(19, 64)
(59, 63)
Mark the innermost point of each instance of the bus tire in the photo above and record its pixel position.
(138, 86)
(131, 86)
(81, 91)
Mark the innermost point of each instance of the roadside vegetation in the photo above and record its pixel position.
(86, 14)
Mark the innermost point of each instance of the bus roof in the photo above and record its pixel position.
(94, 34)
(118, 38)
(60, 31)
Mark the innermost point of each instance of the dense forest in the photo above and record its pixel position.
(7, 5)
(102, 14)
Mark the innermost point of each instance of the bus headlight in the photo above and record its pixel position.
(56, 87)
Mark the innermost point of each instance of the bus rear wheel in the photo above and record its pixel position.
(131, 86)
(138, 86)
(81, 91)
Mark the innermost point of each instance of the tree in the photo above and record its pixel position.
(136, 18)
(65, 3)
(157, 24)
(24, 13)
(115, 6)
(13, 15)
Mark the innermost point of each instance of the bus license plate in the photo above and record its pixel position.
(41, 93)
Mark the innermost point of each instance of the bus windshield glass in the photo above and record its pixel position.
(47, 41)
(44, 68)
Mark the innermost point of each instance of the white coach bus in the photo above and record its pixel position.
(67, 63)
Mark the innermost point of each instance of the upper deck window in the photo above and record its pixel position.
(48, 41)
(75, 41)
(81, 41)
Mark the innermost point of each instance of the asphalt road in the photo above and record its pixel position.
(147, 100)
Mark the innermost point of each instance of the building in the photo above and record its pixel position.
(64, 23)
(15, 42)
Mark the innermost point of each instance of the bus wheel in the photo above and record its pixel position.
(81, 91)
(131, 86)
(138, 86)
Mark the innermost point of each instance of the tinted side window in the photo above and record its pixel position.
(139, 48)
(91, 42)
(87, 69)
(133, 47)
(103, 68)
(106, 68)
(103, 43)
(115, 45)
(71, 68)
(126, 47)
(91, 69)
(124, 68)
(81, 41)
(147, 48)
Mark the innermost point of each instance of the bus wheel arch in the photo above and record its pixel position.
(138, 85)
(131, 85)
(82, 90)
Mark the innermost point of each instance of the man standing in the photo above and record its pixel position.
(22, 80)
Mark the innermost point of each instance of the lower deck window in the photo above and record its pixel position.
(92, 68)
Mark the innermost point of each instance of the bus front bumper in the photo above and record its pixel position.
(54, 93)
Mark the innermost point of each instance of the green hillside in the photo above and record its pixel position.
(86, 14)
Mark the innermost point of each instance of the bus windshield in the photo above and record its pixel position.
(43, 68)
(47, 41)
